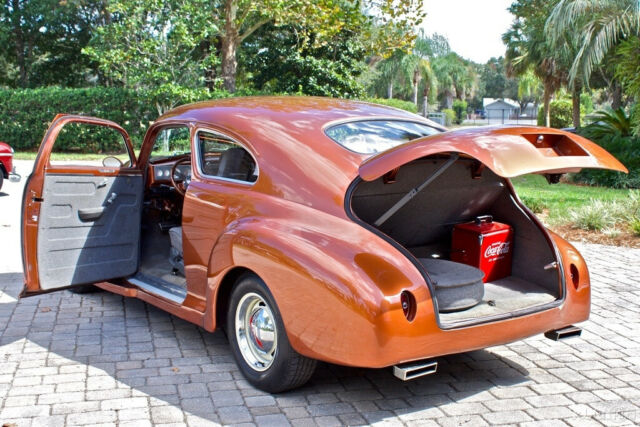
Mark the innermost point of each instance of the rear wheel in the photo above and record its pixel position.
(259, 341)
(1, 178)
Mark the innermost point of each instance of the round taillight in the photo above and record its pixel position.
(575, 276)
(408, 302)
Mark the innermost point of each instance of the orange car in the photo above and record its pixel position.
(314, 229)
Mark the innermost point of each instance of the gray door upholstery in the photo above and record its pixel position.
(89, 229)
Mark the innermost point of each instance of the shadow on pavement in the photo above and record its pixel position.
(129, 344)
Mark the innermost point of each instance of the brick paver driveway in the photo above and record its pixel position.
(101, 359)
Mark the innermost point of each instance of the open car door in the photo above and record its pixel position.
(81, 221)
(507, 151)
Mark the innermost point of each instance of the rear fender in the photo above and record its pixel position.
(334, 292)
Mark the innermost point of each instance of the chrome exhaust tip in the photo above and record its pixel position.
(412, 370)
(562, 333)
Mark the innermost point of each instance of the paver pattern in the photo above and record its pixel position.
(100, 359)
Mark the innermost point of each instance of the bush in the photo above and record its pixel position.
(460, 108)
(599, 215)
(561, 112)
(396, 103)
(635, 118)
(634, 226)
(449, 116)
(537, 206)
(25, 114)
(624, 148)
(596, 215)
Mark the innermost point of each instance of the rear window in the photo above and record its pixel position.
(375, 136)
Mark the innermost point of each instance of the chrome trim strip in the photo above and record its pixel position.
(196, 157)
(174, 294)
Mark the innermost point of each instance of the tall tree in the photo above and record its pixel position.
(598, 25)
(278, 61)
(495, 80)
(40, 41)
(529, 89)
(239, 19)
(153, 44)
(528, 47)
(455, 77)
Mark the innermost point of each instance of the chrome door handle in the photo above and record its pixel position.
(112, 198)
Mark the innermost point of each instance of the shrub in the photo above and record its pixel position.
(537, 206)
(561, 112)
(460, 108)
(396, 103)
(635, 118)
(634, 226)
(449, 116)
(596, 215)
(607, 123)
(624, 148)
(25, 114)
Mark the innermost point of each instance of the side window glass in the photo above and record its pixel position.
(171, 142)
(85, 144)
(220, 156)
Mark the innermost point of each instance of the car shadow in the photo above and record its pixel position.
(130, 344)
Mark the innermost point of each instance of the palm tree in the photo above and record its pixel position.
(390, 70)
(529, 48)
(529, 88)
(454, 77)
(599, 25)
(416, 70)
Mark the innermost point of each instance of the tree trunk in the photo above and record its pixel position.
(616, 102)
(416, 82)
(229, 41)
(545, 108)
(575, 103)
(390, 90)
(209, 71)
(16, 19)
(425, 101)
(448, 102)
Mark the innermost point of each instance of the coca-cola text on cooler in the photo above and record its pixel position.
(497, 248)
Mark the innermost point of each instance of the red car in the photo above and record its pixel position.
(7, 170)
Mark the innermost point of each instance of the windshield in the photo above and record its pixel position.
(375, 136)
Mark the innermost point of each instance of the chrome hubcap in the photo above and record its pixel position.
(256, 331)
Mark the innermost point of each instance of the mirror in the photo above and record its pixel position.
(111, 162)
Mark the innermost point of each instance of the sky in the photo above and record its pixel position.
(474, 27)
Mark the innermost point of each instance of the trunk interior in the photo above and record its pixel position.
(424, 227)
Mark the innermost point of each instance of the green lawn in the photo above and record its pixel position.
(29, 155)
(559, 199)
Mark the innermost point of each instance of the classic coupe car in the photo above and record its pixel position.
(7, 170)
(316, 229)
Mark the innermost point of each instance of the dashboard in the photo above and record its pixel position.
(160, 173)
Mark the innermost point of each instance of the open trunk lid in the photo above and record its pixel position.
(507, 151)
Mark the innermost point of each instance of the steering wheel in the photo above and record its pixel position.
(179, 180)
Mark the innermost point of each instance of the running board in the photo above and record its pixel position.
(562, 333)
(411, 370)
(169, 291)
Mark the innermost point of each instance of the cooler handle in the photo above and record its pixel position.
(483, 218)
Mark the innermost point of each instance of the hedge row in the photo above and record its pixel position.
(26, 114)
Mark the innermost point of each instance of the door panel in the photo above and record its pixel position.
(81, 222)
(89, 229)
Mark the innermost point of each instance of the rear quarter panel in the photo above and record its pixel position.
(335, 283)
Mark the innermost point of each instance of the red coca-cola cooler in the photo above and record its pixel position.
(484, 244)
